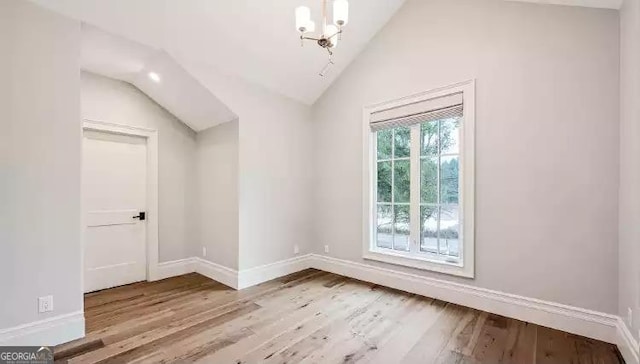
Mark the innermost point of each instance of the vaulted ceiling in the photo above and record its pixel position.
(252, 39)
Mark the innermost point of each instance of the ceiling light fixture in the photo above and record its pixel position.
(331, 33)
(154, 77)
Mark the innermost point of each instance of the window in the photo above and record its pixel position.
(419, 206)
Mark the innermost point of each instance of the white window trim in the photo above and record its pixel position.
(466, 268)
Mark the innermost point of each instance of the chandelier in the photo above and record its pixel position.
(331, 33)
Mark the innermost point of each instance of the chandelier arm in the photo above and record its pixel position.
(309, 38)
(337, 33)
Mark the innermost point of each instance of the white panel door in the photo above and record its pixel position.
(114, 192)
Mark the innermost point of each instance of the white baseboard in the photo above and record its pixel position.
(231, 277)
(48, 332)
(596, 325)
(176, 268)
(217, 272)
(251, 277)
(627, 344)
(575, 320)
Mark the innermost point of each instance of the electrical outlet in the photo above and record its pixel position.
(326, 248)
(296, 249)
(204, 251)
(45, 304)
(629, 316)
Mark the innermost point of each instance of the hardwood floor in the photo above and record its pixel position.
(307, 317)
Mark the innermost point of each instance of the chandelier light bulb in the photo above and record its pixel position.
(303, 19)
(340, 12)
(311, 26)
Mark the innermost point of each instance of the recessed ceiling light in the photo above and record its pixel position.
(154, 76)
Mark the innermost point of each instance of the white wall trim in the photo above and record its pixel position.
(151, 136)
(231, 277)
(629, 347)
(176, 267)
(580, 321)
(217, 272)
(48, 332)
(571, 319)
(576, 320)
(252, 276)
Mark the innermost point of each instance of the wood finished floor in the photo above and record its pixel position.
(307, 317)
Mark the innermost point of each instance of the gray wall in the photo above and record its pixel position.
(274, 168)
(275, 180)
(546, 139)
(113, 101)
(217, 191)
(39, 163)
(629, 250)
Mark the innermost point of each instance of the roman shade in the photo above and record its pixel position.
(443, 107)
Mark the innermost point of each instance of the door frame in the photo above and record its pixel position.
(151, 136)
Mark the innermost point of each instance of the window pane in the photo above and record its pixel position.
(429, 180)
(402, 181)
(384, 144)
(402, 142)
(384, 181)
(401, 228)
(450, 136)
(449, 178)
(384, 234)
(429, 229)
(449, 231)
(429, 138)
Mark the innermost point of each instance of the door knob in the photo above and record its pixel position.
(142, 216)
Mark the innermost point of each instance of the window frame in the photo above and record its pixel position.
(466, 265)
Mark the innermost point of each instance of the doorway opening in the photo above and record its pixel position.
(119, 205)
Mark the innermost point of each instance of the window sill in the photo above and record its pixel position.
(419, 263)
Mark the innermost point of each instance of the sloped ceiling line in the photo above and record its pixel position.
(177, 91)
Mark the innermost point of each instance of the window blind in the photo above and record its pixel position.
(444, 107)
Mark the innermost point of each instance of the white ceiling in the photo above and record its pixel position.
(179, 92)
(252, 39)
